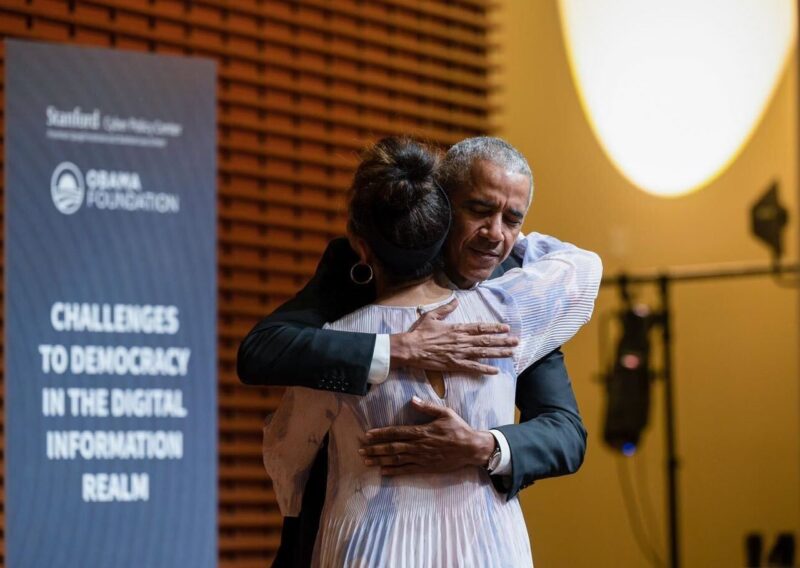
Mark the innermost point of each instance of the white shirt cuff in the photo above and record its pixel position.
(504, 467)
(381, 356)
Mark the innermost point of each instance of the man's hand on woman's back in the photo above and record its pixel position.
(445, 444)
(434, 345)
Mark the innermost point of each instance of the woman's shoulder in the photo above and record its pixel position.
(355, 320)
(483, 304)
(382, 318)
(492, 291)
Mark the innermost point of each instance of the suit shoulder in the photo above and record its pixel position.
(508, 264)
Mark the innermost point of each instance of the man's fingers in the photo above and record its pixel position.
(385, 449)
(493, 340)
(482, 328)
(393, 460)
(393, 434)
(456, 343)
(487, 353)
(474, 367)
(470, 366)
(443, 311)
(429, 408)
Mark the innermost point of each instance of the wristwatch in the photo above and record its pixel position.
(494, 459)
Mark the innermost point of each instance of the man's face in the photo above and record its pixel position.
(487, 218)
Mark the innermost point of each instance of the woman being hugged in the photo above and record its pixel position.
(399, 218)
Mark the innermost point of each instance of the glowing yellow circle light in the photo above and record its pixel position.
(673, 90)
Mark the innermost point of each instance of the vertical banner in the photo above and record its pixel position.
(110, 308)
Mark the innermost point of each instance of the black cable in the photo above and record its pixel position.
(634, 519)
(640, 532)
(649, 516)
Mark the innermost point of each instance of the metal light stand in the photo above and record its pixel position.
(664, 280)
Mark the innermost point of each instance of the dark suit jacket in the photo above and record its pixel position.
(287, 348)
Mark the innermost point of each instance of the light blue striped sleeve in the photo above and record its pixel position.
(549, 298)
(292, 438)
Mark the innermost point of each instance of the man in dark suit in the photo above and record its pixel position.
(490, 187)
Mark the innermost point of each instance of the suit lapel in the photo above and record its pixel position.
(506, 265)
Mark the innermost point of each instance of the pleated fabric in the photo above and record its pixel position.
(449, 519)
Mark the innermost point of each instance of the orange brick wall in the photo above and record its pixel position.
(302, 85)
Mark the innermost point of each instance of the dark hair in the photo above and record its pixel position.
(398, 208)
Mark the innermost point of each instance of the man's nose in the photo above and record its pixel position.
(492, 229)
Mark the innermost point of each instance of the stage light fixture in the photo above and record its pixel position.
(673, 90)
(628, 382)
(768, 220)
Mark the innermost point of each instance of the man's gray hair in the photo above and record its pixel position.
(457, 164)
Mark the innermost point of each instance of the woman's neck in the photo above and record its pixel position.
(417, 293)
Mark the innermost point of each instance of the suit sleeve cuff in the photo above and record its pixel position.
(504, 467)
(379, 369)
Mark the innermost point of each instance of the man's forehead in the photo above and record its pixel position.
(492, 183)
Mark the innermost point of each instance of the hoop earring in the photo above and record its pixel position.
(353, 273)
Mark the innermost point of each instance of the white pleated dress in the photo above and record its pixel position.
(435, 520)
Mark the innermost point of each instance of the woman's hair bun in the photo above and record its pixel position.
(410, 167)
(415, 163)
(395, 198)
